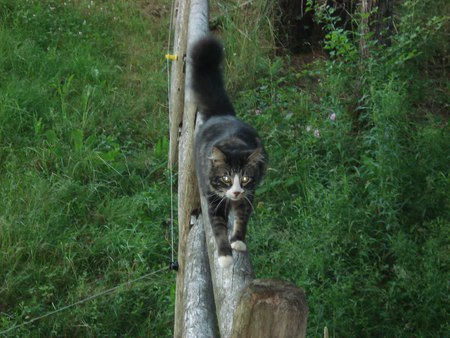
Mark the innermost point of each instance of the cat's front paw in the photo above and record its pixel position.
(239, 246)
(225, 261)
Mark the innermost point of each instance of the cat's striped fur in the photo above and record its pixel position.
(230, 158)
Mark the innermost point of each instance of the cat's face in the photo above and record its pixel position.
(234, 176)
(231, 185)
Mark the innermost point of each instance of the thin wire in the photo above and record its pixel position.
(87, 299)
(170, 110)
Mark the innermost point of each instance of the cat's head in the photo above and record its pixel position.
(236, 174)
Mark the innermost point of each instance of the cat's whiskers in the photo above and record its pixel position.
(249, 202)
(221, 200)
(216, 197)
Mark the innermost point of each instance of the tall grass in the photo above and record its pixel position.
(81, 108)
(355, 207)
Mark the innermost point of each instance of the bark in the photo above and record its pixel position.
(188, 197)
(227, 282)
(271, 308)
(199, 318)
(176, 98)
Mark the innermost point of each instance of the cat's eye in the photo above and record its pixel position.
(226, 179)
(245, 179)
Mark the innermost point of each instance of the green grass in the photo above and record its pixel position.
(354, 209)
(82, 105)
(357, 213)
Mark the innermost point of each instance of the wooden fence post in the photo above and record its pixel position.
(176, 105)
(199, 319)
(227, 282)
(176, 97)
(270, 308)
(193, 15)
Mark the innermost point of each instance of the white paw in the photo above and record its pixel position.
(239, 246)
(225, 261)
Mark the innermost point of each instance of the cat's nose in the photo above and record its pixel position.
(236, 193)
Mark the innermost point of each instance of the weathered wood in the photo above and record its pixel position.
(228, 282)
(188, 196)
(177, 98)
(271, 308)
(177, 82)
(199, 318)
(188, 202)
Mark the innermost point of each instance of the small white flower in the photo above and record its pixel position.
(308, 129)
(316, 133)
(333, 117)
(257, 112)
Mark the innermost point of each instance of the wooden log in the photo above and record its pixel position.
(188, 196)
(177, 82)
(271, 308)
(188, 202)
(176, 105)
(229, 282)
(199, 318)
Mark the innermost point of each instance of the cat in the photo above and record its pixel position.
(230, 159)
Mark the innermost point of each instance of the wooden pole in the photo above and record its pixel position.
(271, 308)
(227, 282)
(177, 89)
(188, 202)
(176, 99)
(188, 196)
(199, 318)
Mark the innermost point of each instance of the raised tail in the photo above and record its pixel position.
(207, 80)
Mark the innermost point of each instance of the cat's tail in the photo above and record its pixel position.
(207, 81)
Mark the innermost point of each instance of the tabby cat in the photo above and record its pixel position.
(229, 156)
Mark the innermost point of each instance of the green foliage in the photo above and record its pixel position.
(338, 41)
(355, 206)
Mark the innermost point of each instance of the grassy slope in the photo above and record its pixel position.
(82, 106)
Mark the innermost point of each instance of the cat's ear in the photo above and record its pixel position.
(217, 157)
(256, 157)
